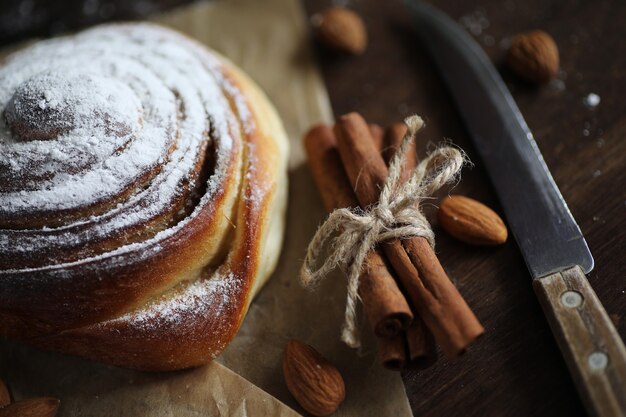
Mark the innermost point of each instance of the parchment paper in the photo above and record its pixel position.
(88, 389)
(269, 40)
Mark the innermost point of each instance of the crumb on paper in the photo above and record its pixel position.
(591, 100)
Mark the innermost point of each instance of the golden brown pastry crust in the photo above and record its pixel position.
(174, 301)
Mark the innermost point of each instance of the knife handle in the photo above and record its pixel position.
(592, 348)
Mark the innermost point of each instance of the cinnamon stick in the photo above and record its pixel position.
(392, 352)
(392, 139)
(378, 134)
(436, 299)
(419, 342)
(418, 338)
(421, 350)
(414, 348)
(383, 303)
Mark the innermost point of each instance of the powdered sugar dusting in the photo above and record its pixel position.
(99, 115)
(255, 194)
(130, 100)
(111, 143)
(203, 298)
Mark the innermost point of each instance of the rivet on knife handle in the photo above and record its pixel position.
(592, 348)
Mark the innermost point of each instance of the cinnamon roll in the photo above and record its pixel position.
(142, 194)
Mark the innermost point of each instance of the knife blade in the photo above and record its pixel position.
(552, 244)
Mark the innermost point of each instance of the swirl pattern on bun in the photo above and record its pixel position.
(142, 194)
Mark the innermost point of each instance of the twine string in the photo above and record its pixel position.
(351, 233)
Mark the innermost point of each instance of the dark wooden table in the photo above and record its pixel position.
(516, 369)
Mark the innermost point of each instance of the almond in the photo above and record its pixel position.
(5, 398)
(471, 221)
(534, 56)
(34, 407)
(341, 29)
(314, 382)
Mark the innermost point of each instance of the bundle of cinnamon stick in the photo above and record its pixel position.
(409, 301)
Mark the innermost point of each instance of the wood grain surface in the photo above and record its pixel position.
(591, 347)
(516, 369)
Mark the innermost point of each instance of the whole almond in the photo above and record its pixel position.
(34, 407)
(5, 398)
(471, 221)
(534, 56)
(314, 382)
(341, 29)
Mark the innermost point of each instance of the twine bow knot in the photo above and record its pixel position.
(352, 233)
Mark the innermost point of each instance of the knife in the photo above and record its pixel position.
(551, 242)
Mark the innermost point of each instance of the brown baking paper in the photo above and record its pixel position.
(269, 40)
(89, 389)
